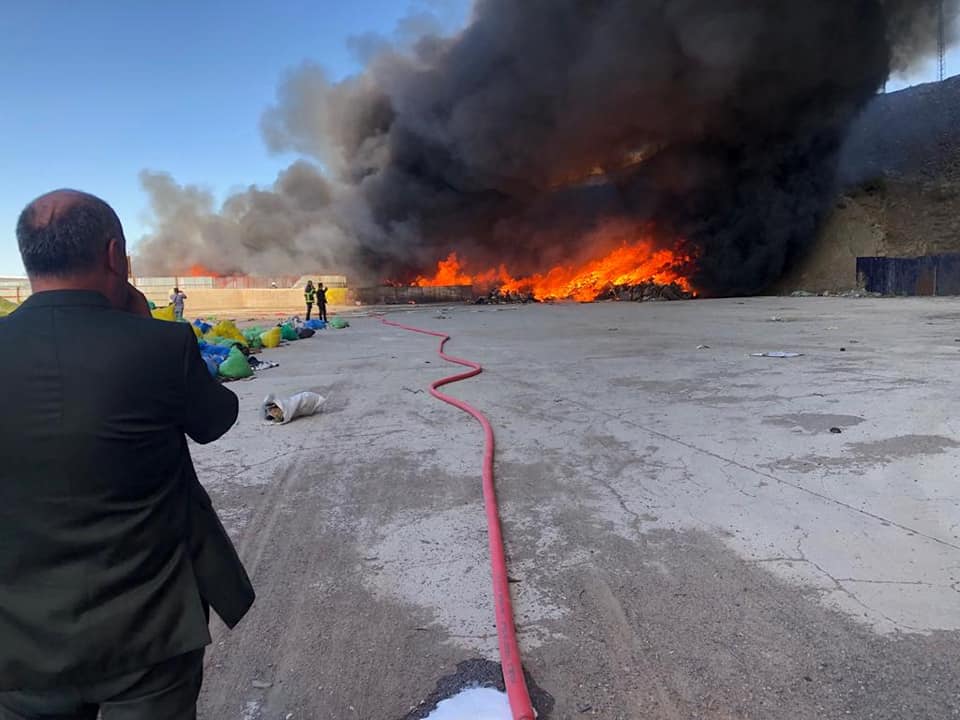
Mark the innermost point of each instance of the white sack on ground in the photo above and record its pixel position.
(287, 409)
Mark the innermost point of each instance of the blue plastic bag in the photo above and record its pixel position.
(212, 366)
(214, 353)
(204, 327)
(315, 324)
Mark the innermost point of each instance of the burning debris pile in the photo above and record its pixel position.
(704, 132)
(630, 262)
(650, 291)
(642, 292)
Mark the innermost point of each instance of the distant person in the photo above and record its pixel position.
(309, 297)
(321, 301)
(111, 553)
(177, 297)
(273, 285)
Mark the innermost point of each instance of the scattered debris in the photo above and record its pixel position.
(775, 318)
(802, 293)
(859, 294)
(496, 297)
(284, 410)
(262, 684)
(836, 430)
(777, 354)
(647, 291)
(703, 347)
(257, 365)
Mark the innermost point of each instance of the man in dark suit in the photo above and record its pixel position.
(110, 550)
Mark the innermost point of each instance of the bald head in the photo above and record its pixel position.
(67, 233)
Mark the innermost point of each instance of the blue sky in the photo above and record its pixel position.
(95, 91)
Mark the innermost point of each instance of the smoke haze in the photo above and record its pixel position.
(713, 122)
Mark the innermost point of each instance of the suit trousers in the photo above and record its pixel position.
(166, 691)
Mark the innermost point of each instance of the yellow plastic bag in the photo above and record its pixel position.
(227, 329)
(271, 338)
(164, 313)
(7, 307)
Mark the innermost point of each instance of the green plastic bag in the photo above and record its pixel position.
(235, 367)
(339, 323)
(288, 333)
(253, 338)
(223, 341)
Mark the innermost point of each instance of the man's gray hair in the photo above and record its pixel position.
(66, 232)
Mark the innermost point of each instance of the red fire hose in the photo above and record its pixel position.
(517, 693)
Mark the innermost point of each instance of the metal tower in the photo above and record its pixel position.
(942, 42)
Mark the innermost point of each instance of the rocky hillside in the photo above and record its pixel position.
(901, 177)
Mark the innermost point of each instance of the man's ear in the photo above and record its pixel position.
(117, 258)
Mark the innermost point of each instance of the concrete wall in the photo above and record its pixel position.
(386, 295)
(211, 300)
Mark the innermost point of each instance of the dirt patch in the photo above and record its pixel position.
(877, 452)
(905, 446)
(702, 633)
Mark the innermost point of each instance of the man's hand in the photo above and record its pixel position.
(137, 303)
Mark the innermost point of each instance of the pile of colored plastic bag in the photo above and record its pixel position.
(225, 348)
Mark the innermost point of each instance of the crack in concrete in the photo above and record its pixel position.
(769, 476)
(919, 583)
(778, 559)
(840, 588)
(637, 520)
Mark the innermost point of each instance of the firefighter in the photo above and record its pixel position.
(309, 296)
(321, 301)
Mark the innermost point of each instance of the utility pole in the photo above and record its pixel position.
(942, 42)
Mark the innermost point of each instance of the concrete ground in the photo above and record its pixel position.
(689, 538)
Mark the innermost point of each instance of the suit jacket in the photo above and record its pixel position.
(110, 550)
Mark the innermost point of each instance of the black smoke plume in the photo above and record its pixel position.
(717, 123)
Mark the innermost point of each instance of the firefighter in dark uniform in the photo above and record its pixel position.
(309, 296)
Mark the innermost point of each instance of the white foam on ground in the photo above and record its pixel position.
(474, 704)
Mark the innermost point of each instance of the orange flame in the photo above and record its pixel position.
(198, 270)
(628, 264)
(449, 272)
